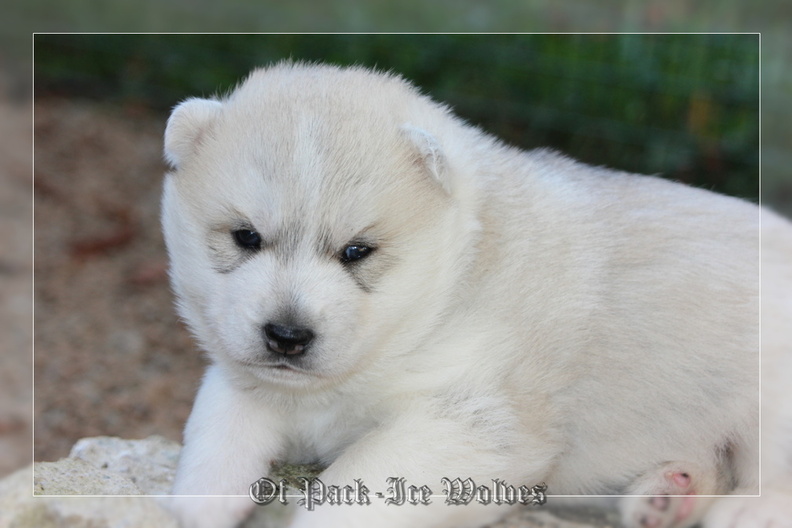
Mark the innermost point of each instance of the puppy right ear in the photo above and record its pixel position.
(186, 124)
(430, 154)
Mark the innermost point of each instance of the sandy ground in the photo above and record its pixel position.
(15, 284)
(111, 358)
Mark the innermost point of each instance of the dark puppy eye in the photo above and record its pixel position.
(247, 238)
(355, 252)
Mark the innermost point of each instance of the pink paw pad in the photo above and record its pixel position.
(672, 503)
(681, 480)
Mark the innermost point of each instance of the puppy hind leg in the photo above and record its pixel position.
(666, 497)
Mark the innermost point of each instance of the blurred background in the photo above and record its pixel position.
(684, 106)
(110, 356)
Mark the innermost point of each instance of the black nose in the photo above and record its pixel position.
(287, 340)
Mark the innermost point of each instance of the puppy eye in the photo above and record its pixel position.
(355, 252)
(247, 238)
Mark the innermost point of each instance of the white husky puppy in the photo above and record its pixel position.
(390, 292)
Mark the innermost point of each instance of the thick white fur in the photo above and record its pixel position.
(527, 317)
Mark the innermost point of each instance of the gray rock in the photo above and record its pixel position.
(19, 508)
(69, 476)
(149, 464)
(97, 469)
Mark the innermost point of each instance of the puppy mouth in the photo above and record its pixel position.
(282, 365)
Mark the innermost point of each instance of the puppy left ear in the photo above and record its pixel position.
(187, 123)
(430, 154)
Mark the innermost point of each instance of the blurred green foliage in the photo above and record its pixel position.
(682, 105)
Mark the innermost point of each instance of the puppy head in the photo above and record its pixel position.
(310, 225)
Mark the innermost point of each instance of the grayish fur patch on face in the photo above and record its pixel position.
(225, 254)
(368, 272)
